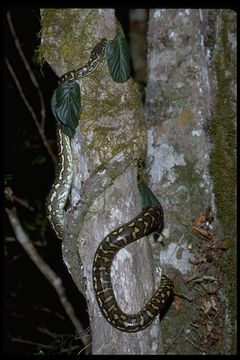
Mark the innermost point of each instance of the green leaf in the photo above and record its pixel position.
(30, 227)
(66, 106)
(40, 352)
(118, 57)
(40, 159)
(147, 196)
(8, 177)
(67, 130)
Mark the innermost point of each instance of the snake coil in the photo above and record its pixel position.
(147, 222)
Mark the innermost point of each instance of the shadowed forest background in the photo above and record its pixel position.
(36, 305)
(31, 303)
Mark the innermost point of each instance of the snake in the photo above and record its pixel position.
(59, 192)
(145, 223)
(150, 220)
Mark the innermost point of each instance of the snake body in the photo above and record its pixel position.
(148, 221)
(96, 57)
(58, 195)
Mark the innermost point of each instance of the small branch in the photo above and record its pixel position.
(13, 198)
(32, 112)
(195, 346)
(28, 68)
(85, 347)
(178, 243)
(174, 340)
(54, 280)
(22, 202)
(45, 331)
(202, 279)
(183, 296)
(23, 341)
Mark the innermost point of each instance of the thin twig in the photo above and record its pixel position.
(30, 109)
(174, 340)
(43, 346)
(196, 346)
(192, 278)
(84, 348)
(174, 250)
(45, 331)
(50, 275)
(202, 279)
(183, 296)
(22, 202)
(13, 198)
(28, 68)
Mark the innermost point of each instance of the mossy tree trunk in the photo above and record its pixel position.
(191, 139)
(109, 140)
(191, 119)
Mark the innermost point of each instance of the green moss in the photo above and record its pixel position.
(223, 133)
(223, 170)
(108, 137)
(60, 29)
(228, 263)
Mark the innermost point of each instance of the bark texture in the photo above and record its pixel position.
(191, 159)
(109, 140)
(191, 120)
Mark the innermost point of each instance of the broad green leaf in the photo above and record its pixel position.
(67, 130)
(66, 106)
(147, 196)
(118, 57)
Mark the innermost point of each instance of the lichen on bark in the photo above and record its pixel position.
(109, 140)
(190, 114)
(223, 165)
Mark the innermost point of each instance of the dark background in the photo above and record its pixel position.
(34, 318)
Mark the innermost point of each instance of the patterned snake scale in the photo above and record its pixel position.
(148, 221)
(58, 195)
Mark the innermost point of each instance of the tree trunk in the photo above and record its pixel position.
(109, 140)
(191, 160)
(191, 118)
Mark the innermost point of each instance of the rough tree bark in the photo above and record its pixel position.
(109, 140)
(191, 117)
(191, 145)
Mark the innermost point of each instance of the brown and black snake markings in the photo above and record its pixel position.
(57, 197)
(96, 57)
(148, 221)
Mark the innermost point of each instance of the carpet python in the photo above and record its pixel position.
(147, 222)
(58, 195)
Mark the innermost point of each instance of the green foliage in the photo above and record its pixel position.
(223, 132)
(40, 352)
(223, 167)
(8, 177)
(66, 106)
(39, 160)
(118, 57)
(147, 196)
